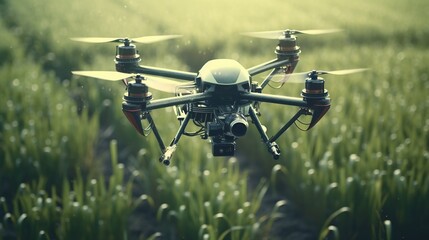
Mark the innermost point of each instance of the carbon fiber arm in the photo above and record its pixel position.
(275, 63)
(173, 101)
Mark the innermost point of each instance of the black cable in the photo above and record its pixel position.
(276, 87)
(296, 125)
(193, 134)
(147, 130)
(303, 123)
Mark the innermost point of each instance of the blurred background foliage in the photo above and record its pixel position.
(71, 166)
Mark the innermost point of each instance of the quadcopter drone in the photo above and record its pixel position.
(220, 98)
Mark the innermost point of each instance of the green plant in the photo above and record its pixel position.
(204, 197)
(85, 209)
(41, 133)
(368, 153)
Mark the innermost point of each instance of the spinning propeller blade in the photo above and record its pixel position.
(301, 77)
(343, 72)
(104, 75)
(152, 39)
(164, 85)
(157, 83)
(148, 39)
(282, 33)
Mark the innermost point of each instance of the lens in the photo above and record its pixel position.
(239, 128)
(237, 125)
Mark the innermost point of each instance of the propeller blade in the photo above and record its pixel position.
(302, 76)
(164, 85)
(95, 39)
(343, 72)
(152, 39)
(104, 75)
(161, 84)
(265, 34)
(281, 33)
(147, 39)
(316, 31)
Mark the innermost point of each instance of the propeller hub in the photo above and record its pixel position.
(313, 75)
(288, 33)
(127, 41)
(139, 78)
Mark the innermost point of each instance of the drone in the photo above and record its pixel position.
(221, 97)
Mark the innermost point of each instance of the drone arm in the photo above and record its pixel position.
(268, 78)
(261, 97)
(173, 101)
(275, 63)
(163, 72)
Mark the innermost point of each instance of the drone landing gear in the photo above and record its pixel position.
(168, 152)
(301, 111)
(273, 148)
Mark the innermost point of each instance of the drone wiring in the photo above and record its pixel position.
(199, 132)
(147, 130)
(303, 123)
(276, 87)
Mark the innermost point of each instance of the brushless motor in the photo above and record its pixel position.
(127, 57)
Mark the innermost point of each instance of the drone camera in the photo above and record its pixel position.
(215, 129)
(237, 125)
(223, 148)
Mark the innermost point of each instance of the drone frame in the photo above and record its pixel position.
(138, 104)
(276, 65)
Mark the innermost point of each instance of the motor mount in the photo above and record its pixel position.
(135, 100)
(316, 96)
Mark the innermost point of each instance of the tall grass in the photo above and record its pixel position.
(365, 161)
(369, 154)
(203, 197)
(84, 209)
(41, 133)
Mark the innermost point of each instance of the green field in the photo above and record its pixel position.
(71, 166)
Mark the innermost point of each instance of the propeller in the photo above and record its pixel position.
(301, 77)
(279, 34)
(147, 39)
(157, 83)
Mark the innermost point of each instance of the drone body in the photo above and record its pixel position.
(224, 115)
(220, 99)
